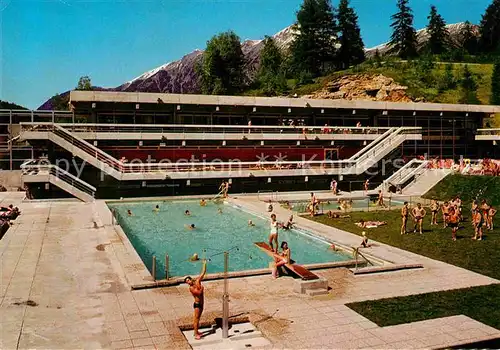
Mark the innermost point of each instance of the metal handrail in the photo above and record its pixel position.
(356, 253)
(163, 128)
(403, 174)
(372, 144)
(122, 167)
(490, 131)
(381, 145)
(63, 175)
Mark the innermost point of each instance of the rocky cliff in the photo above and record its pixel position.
(363, 87)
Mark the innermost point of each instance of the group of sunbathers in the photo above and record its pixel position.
(7, 214)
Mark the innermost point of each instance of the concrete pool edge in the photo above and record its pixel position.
(133, 267)
(245, 273)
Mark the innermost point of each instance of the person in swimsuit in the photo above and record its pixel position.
(491, 214)
(485, 208)
(474, 206)
(366, 185)
(434, 210)
(364, 242)
(203, 203)
(445, 208)
(286, 257)
(418, 214)
(333, 187)
(129, 212)
(196, 289)
(289, 223)
(477, 221)
(156, 209)
(453, 220)
(312, 205)
(405, 211)
(187, 212)
(380, 201)
(273, 236)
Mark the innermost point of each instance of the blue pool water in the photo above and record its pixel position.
(165, 232)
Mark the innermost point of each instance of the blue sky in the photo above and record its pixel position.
(46, 45)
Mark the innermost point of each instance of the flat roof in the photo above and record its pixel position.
(283, 102)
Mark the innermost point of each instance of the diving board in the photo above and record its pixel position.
(299, 270)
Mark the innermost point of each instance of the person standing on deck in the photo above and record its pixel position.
(405, 212)
(491, 214)
(445, 208)
(196, 289)
(478, 222)
(333, 187)
(453, 219)
(418, 214)
(366, 185)
(434, 211)
(380, 200)
(273, 236)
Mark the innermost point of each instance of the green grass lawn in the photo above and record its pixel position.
(479, 256)
(479, 303)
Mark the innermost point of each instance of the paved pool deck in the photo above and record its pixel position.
(66, 276)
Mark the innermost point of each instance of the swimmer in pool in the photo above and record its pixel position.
(187, 212)
(219, 211)
(194, 257)
(250, 223)
(190, 227)
(156, 209)
(129, 212)
(203, 203)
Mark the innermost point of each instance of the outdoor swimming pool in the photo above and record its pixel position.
(165, 232)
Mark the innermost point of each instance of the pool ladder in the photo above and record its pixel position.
(356, 253)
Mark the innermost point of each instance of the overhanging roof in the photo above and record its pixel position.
(250, 101)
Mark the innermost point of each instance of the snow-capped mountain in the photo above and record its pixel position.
(456, 35)
(180, 76)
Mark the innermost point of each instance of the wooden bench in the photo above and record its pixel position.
(299, 270)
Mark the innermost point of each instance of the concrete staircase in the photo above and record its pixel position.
(427, 180)
(33, 173)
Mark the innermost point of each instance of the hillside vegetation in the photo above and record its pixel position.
(468, 188)
(426, 84)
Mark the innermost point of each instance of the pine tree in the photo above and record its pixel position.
(468, 39)
(313, 49)
(377, 59)
(221, 68)
(468, 88)
(271, 73)
(404, 37)
(448, 79)
(490, 28)
(351, 50)
(438, 34)
(495, 85)
(84, 83)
